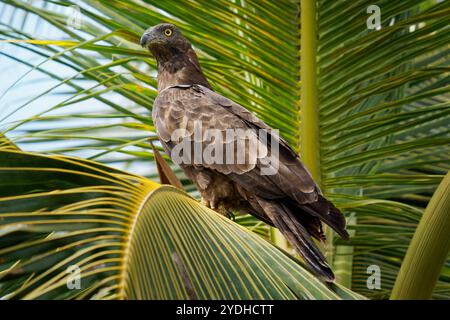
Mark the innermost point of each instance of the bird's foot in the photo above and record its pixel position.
(230, 215)
(206, 203)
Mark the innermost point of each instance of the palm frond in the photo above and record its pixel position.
(124, 236)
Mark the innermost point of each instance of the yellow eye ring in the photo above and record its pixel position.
(168, 32)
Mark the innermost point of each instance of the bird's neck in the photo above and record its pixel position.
(179, 68)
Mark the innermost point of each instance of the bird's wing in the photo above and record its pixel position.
(181, 106)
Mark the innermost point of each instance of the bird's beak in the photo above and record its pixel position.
(145, 39)
(149, 38)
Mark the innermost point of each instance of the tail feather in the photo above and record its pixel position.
(289, 225)
(328, 213)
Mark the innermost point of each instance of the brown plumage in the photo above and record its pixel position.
(289, 200)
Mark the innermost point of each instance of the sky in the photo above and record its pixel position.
(19, 84)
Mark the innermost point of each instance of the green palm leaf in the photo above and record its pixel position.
(128, 237)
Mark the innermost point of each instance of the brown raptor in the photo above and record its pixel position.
(288, 199)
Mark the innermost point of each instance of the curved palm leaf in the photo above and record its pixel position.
(128, 237)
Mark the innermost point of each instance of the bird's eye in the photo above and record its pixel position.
(168, 32)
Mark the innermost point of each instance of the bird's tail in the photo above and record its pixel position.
(285, 220)
(324, 210)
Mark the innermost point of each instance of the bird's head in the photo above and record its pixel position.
(164, 39)
(177, 61)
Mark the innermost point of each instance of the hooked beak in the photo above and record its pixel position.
(148, 39)
(145, 39)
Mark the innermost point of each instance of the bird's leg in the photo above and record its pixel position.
(220, 208)
(227, 212)
(214, 202)
(206, 203)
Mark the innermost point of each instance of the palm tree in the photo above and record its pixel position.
(366, 108)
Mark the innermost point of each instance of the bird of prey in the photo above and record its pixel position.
(289, 199)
